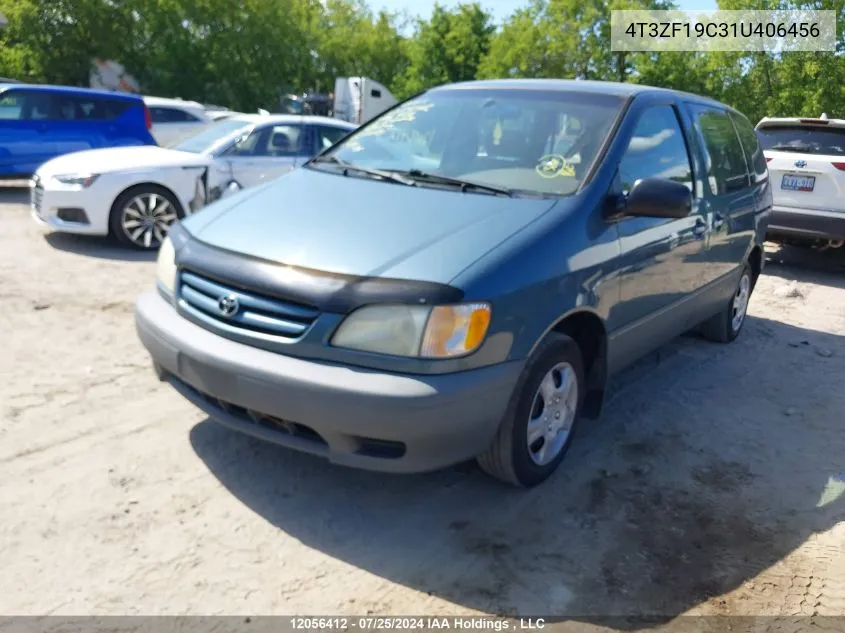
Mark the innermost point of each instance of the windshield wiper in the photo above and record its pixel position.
(802, 149)
(464, 185)
(347, 167)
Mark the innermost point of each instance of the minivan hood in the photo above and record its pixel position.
(354, 226)
(114, 159)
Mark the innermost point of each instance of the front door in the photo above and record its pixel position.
(267, 153)
(660, 257)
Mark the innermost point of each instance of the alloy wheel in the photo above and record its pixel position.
(146, 219)
(740, 302)
(552, 413)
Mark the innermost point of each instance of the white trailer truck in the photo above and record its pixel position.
(359, 99)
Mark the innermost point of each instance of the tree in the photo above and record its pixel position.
(350, 41)
(55, 40)
(564, 39)
(447, 48)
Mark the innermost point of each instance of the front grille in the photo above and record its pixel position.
(36, 195)
(217, 303)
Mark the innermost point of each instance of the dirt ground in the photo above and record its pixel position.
(714, 483)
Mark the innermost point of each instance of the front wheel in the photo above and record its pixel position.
(540, 421)
(142, 216)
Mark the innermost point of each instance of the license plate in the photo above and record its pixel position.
(798, 183)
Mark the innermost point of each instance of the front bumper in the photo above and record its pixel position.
(806, 224)
(349, 415)
(69, 210)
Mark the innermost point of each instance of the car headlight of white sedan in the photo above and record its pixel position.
(444, 331)
(166, 266)
(78, 180)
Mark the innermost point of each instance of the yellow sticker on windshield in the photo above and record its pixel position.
(497, 132)
(553, 166)
(567, 170)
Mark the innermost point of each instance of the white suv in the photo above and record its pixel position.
(806, 160)
(174, 120)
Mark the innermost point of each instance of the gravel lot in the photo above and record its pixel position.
(711, 485)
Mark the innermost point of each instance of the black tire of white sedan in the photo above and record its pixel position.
(725, 326)
(141, 216)
(542, 415)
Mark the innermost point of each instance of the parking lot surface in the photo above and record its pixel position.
(713, 484)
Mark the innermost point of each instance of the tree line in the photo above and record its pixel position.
(246, 53)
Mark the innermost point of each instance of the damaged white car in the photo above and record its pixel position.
(135, 193)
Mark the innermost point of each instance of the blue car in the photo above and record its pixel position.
(461, 276)
(38, 123)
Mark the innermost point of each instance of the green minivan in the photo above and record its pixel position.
(460, 277)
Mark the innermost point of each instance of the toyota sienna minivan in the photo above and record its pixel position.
(460, 277)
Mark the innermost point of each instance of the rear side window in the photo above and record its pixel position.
(79, 108)
(45, 106)
(657, 150)
(751, 147)
(171, 115)
(727, 170)
(807, 140)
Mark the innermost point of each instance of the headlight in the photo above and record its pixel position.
(406, 330)
(81, 180)
(166, 265)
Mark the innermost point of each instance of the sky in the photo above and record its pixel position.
(500, 9)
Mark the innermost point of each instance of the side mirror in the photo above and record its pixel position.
(656, 198)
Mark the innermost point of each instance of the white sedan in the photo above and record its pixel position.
(135, 193)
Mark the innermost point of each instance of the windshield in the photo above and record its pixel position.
(529, 140)
(211, 135)
(807, 140)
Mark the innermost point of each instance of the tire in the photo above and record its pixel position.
(132, 206)
(511, 458)
(725, 326)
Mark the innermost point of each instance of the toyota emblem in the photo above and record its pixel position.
(228, 305)
(800, 163)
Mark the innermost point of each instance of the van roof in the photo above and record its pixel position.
(573, 85)
(72, 91)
